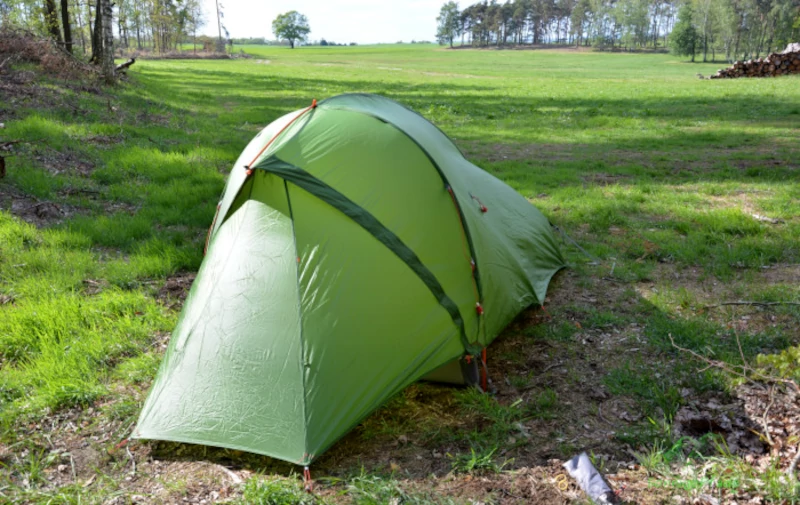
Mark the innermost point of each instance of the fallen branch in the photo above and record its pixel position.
(5, 145)
(752, 304)
(125, 66)
(765, 219)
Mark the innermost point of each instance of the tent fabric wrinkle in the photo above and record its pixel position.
(354, 251)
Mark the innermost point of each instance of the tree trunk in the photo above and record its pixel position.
(219, 25)
(108, 42)
(51, 21)
(65, 24)
(121, 26)
(97, 34)
(705, 46)
(79, 19)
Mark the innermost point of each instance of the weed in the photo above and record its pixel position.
(543, 406)
(657, 392)
(559, 332)
(258, 491)
(481, 461)
(374, 489)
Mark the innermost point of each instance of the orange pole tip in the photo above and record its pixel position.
(314, 103)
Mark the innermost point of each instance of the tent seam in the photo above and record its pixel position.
(384, 235)
(300, 317)
(445, 180)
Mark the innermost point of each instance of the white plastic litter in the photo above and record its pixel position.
(590, 480)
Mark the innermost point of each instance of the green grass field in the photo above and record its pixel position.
(685, 193)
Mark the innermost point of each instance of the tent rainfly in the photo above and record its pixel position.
(354, 251)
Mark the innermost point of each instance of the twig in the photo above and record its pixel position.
(40, 204)
(4, 62)
(5, 145)
(757, 304)
(766, 219)
(764, 423)
(235, 478)
(133, 461)
(73, 191)
(548, 367)
(731, 369)
(10, 143)
(795, 460)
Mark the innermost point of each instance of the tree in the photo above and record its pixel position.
(220, 43)
(67, 27)
(107, 59)
(195, 19)
(683, 40)
(51, 21)
(291, 26)
(449, 23)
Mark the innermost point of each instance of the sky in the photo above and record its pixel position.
(341, 21)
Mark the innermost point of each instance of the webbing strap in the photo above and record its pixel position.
(370, 223)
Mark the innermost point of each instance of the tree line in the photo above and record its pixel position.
(159, 25)
(735, 28)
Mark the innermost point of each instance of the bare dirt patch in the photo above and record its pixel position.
(781, 274)
(602, 179)
(40, 213)
(104, 141)
(63, 162)
(19, 89)
(708, 295)
(174, 291)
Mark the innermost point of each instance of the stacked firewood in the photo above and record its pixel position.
(787, 62)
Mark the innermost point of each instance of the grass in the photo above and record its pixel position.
(660, 175)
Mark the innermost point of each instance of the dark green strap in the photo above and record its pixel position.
(476, 274)
(370, 223)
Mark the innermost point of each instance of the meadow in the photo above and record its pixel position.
(678, 199)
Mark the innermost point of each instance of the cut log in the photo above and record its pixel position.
(775, 64)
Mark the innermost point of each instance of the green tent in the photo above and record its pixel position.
(355, 250)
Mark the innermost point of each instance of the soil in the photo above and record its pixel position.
(40, 213)
(175, 290)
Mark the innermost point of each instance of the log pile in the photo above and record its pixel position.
(784, 63)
